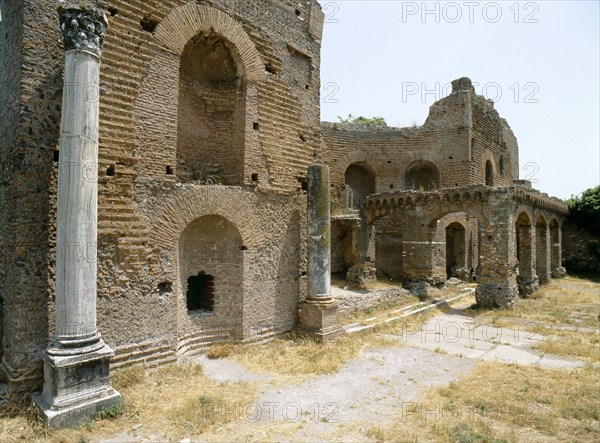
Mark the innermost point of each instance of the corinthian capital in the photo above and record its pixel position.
(83, 28)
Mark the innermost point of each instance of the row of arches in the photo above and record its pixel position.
(538, 250)
(454, 248)
(421, 175)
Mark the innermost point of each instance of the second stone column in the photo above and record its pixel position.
(319, 312)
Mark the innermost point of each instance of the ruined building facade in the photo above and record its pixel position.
(209, 119)
(442, 200)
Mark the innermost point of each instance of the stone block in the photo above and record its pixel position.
(496, 295)
(319, 321)
(75, 388)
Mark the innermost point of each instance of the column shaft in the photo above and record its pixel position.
(77, 215)
(319, 234)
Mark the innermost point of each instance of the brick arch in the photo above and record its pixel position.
(197, 202)
(528, 210)
(489, 156)
(410, 158)
(454, 217)
(451, 215)
(554, 222)
(542, 215)
(354, 157)
(185, 22)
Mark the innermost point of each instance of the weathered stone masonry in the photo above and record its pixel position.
(456, 206)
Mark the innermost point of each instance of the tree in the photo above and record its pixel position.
(585, 210)
(377, 121)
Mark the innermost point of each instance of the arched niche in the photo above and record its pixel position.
(211, 268)
(422, 175)
(211, 114)
(359, 179)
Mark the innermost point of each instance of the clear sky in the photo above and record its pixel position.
(539, 61)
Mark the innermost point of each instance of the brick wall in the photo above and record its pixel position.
(444, 142)
(262, 132)
(31, 91)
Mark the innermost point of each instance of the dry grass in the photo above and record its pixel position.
(570, 301)
(220, 350)
(573, 302)
(294, 358)
(505, 403)
(175, 401)
(572, 344)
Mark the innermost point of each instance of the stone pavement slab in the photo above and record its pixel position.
(458, 333)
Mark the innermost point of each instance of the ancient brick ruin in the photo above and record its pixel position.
(209, 119)
(442, 200)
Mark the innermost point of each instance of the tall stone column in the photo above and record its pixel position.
(542, 254)
(362, 270)
(76, 364)
(318, 314)
(556, 247)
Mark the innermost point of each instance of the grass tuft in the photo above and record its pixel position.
(219, 351)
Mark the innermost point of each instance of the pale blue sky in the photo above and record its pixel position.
(379, 58)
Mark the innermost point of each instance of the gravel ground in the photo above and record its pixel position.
(367, 392)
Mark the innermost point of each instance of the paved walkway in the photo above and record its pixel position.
(457, 333)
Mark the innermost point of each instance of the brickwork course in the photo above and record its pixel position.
(209, 120)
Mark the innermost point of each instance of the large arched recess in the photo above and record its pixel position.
(456, 243)
(422, 175)
(170, 110)
(197, 209)
(360, 178)
(211, 112)
(525, 252)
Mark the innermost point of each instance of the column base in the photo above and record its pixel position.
(543, 278)
(75, 388)
(496, 295)
(319, 321)
(527, 287)
(559, 272)
(361, 273)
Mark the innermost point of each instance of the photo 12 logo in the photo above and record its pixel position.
(471, 12)
(518, 92)
(272, 411)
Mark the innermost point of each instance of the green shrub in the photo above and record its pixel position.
(584, 210)
(377, 121)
